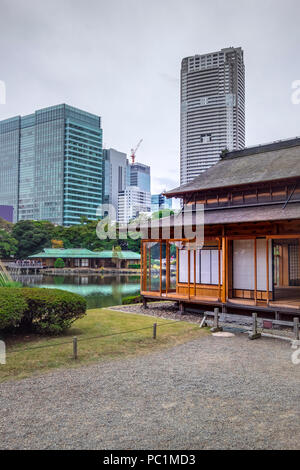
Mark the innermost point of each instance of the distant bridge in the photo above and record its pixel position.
(21, 267)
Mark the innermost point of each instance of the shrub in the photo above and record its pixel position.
(51, 310)
(12, 307)
(133, 299)
(59, 263)
(134, 266)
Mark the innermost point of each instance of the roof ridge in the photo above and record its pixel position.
(262, 148)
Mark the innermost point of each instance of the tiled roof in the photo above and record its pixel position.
(270, 162)
(84, 253)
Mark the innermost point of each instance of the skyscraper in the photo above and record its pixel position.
(140, 176)
(133, 201)
(159, 202)
(51, 165)
(212, 109)
(115, 177)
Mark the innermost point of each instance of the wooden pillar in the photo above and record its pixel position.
(167, 266)
(255, 271)
(267, 263)
(195, 290)
(177, 269)
(224, 269)
(149, 251)
(145, 266)
(189, 272)
(160, 279)
(219, 268)
(142, 270)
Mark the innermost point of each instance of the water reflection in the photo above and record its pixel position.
(100, 291)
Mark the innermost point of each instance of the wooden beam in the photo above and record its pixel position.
(274, 237)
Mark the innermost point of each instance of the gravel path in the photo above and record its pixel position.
(221, 393)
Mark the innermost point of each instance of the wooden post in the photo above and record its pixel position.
(160, 280)
(181, 308)
(267, 262)
(145, 268)
(75, 355)
(195, 289)
(254, 334)
(145, 306)
(167, 266)
(203, 321)
(224, 265)
(189, 272)
(154, 330)
(177, 269)
(149, 268)
(219, 268)
(255, 271)
(216, 326)
(296, 328)
(142, 267)
(295, 341)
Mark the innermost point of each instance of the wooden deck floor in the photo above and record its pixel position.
(293, 303)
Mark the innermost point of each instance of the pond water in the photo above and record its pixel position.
(99, 291)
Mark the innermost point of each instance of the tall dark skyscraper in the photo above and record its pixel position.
(51, 165)
(212, 109)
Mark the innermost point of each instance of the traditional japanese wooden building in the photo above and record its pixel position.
(83, 258)
(251, 251)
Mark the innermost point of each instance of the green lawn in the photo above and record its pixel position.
(22, 363)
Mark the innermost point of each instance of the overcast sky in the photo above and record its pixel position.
(121, 59)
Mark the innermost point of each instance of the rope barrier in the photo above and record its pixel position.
(174, 322)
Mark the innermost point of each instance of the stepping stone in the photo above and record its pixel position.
(223, 334)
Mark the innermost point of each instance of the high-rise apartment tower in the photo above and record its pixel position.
(212, 109)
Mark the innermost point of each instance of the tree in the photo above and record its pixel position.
(162, 213)
(8, 245)
(4, 225)
(32, 236)
(57, 243)
(59, 263)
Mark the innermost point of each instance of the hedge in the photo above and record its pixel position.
(133, 299)
(12, 307)
(51, 310)
(40, 310)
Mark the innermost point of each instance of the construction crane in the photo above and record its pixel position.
(133, 151)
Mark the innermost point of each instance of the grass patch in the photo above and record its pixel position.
(22, 363)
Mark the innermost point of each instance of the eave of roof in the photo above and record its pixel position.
(231, 215)
(263, 164)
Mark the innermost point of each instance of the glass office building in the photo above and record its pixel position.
(140, 176)
(9, 163)
(159, 202)
(52, 165)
